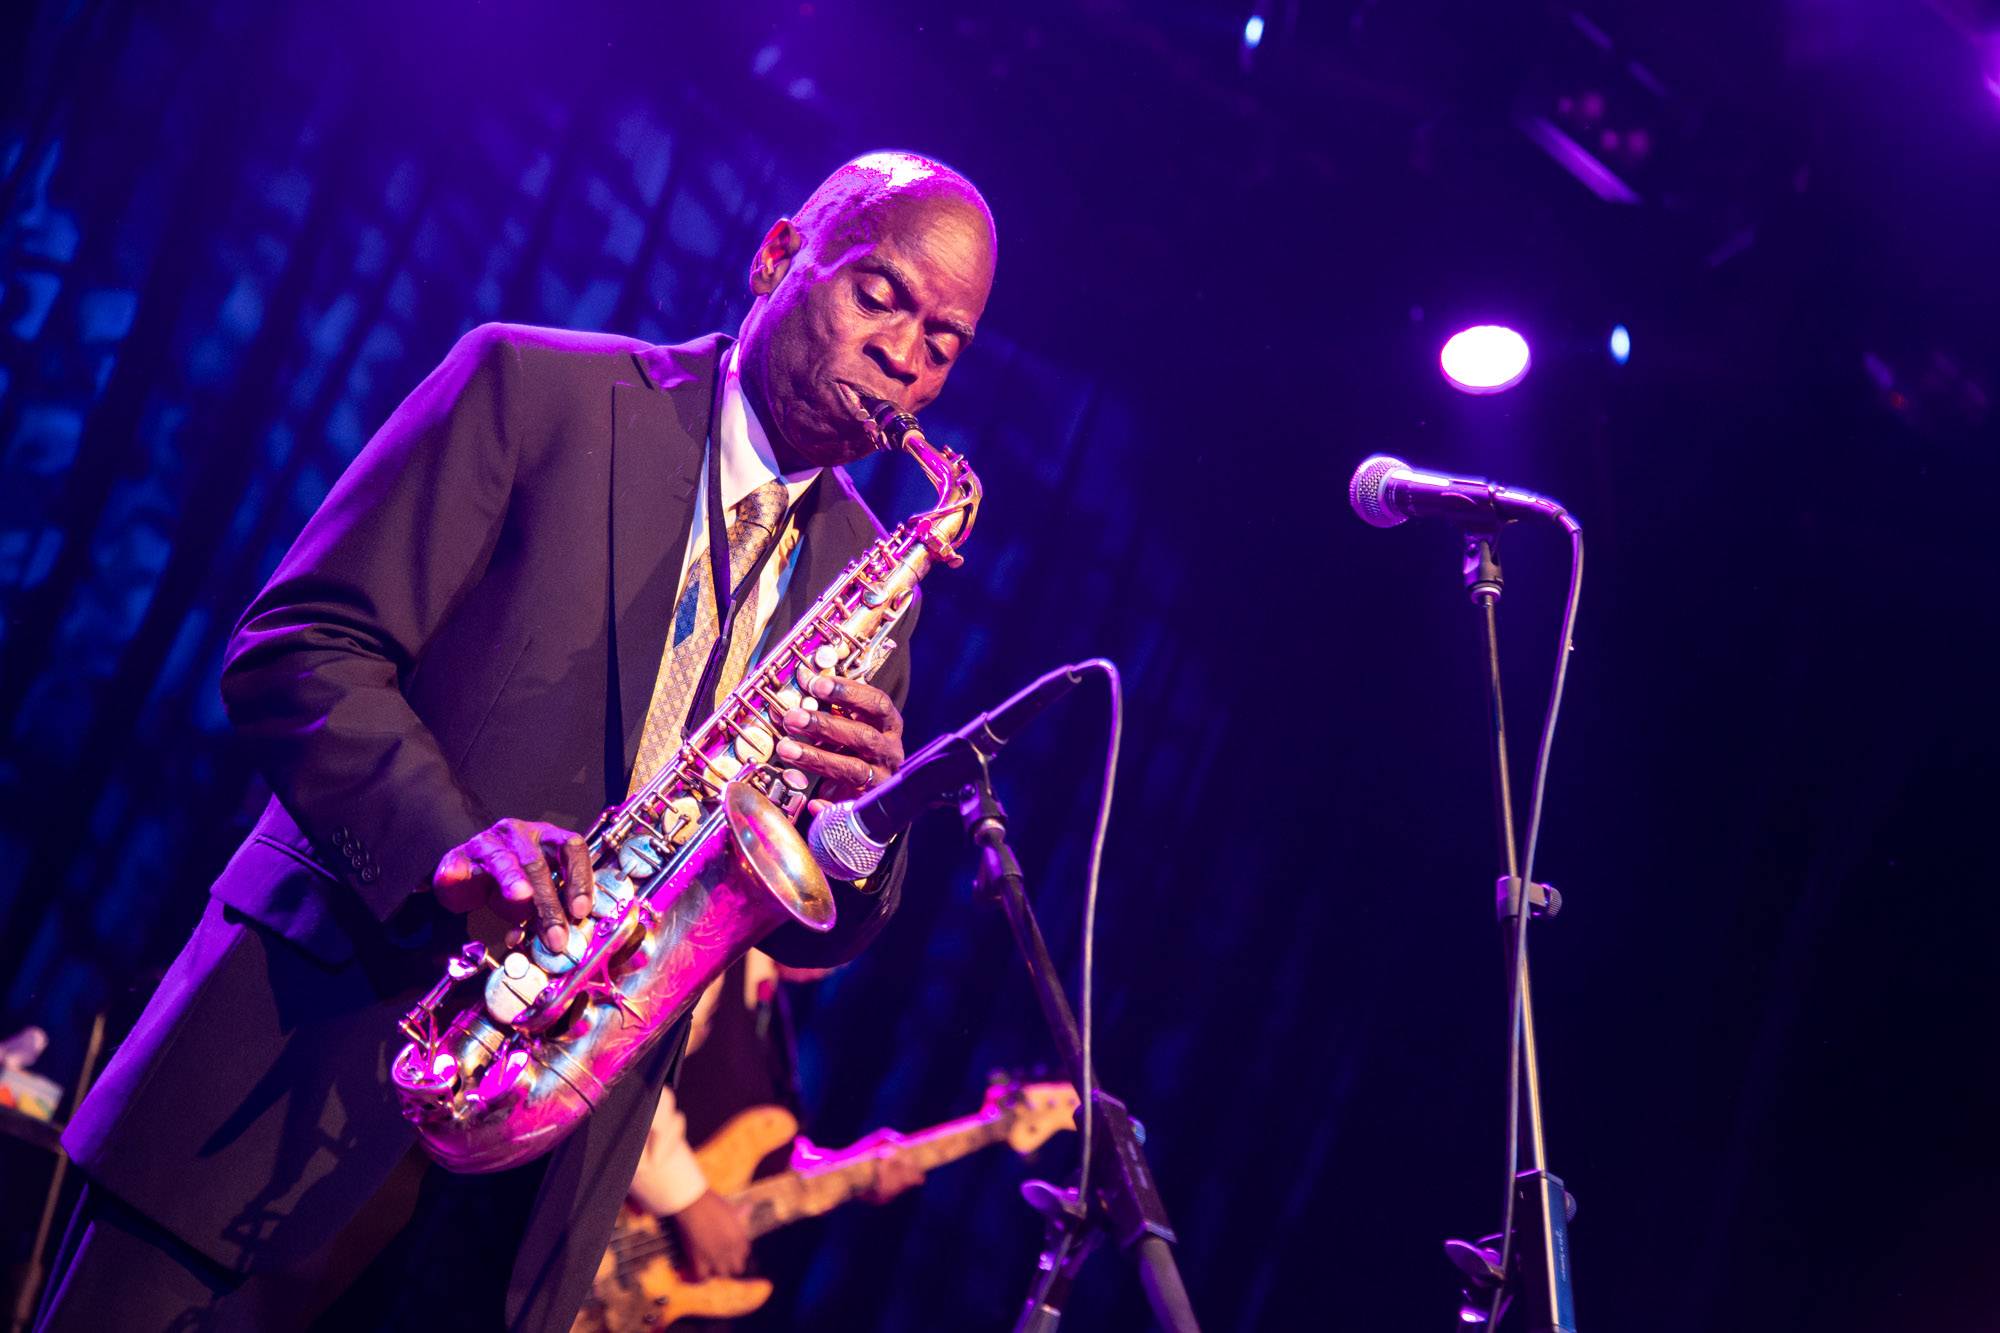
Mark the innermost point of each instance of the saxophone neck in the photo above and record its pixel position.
(944, 528)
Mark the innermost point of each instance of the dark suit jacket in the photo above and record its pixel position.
(468, 628)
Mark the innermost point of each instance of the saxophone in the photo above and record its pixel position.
(691, 871)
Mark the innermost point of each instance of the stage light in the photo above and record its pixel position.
(1621, 344)
(1253, 31)
(1486, 358)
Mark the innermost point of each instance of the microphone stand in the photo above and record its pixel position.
(1124, 1203)
(1538, 1249)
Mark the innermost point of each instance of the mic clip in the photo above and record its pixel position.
(985, 821)
(1483, 577)
(1543, 900)
(979, 810)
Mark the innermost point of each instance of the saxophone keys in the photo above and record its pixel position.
(503, 1076)
(468, 962)
(426, 1074)
(754, 745)
(515, 985)
(682, 813)
(554, 962)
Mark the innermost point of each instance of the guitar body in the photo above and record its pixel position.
(729, 1159)
(638, 1288)
(653, 1294)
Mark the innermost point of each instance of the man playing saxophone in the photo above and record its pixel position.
(496, 625)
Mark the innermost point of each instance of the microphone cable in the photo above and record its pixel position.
(1116, 688)
(1523, 909)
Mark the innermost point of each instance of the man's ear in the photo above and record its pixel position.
(774, 257)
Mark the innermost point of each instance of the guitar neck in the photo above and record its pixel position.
(837, 1177)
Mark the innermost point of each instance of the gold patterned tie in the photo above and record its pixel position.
(691, 638)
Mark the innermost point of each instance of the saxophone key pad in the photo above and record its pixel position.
(638, 860)
(513, 986)
(754, 745)
(554, 963)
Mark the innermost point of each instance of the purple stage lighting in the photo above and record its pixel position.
(1486, 358)
(1620, 344)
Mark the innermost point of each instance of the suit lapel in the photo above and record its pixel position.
(659, 425)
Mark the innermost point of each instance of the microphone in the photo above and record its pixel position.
(1386, 491)
(849, 839)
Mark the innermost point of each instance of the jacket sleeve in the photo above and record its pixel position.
(860, 911)
(314, 673)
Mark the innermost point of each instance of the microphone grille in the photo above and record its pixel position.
(843, 849)
(1364, 491)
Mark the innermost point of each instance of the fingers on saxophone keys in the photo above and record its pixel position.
(579, 885)
(858, 698)
(846, 734)
(530, 863)
(851, 770)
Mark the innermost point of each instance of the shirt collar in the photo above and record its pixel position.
(747, 460)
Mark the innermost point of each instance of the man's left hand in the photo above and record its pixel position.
(854, 740)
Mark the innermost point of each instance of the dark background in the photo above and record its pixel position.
(236, 234)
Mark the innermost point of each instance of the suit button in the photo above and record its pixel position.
(369, 875)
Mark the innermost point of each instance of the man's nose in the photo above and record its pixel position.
(895, 351)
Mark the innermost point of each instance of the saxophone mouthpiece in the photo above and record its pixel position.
(891, 422)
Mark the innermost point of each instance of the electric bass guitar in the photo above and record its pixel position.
(639, 1284)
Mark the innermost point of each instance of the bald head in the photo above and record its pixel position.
(863, 192)
(872, 290)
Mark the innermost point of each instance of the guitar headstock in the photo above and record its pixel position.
(1035, 1112)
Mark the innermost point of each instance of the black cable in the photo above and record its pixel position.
(1085, 1114)
(1523, 908)
(1089, 963)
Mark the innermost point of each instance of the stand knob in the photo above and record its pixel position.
(1052, 1202)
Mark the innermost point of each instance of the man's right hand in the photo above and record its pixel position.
(514, 865)
(714, 1241)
